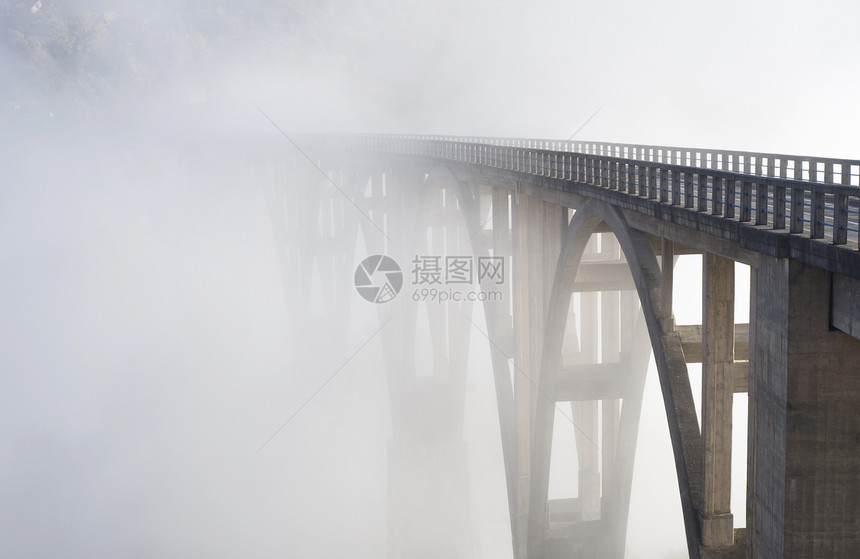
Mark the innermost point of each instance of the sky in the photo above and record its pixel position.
(145, 330)
(765, 76)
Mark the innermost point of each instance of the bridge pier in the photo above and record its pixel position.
(718, 348)
(537, 232)
(804, 429)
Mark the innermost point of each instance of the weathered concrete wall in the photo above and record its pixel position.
(845, 305)
(804, 469)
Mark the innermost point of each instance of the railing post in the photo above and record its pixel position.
(779, 207)
(840, 219)
(629, 179)
(664, 191)
(761, 203)
(676, 188)
(817, 215)
(797, 200)
(840, 209)
(717, 195)
(816, 210)
(797, 214)
(731, 196)
(779, 198)
(689, 196)
(703, 192)
(745, 199)
(652, 182)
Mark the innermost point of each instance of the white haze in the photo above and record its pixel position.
(144, 349)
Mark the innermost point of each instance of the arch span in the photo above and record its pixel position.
(668, 355)
(437, 224)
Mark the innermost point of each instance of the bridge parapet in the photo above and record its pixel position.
(801, 167)
(810, 197)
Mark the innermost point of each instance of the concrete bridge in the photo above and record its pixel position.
(588, 234)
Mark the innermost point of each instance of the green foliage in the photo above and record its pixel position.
(91, 52)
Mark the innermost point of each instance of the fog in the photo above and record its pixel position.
(147, 345)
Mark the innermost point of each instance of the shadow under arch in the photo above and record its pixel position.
(668, 356)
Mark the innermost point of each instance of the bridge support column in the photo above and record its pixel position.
(610, 338)
(718, 337)
(668, 269)
(538, 229)
(585, 416)
(524, 374)
(804, 483)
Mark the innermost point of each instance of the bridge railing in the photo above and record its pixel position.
(814, 197)
(774, 165)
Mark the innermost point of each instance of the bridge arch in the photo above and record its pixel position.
(671, 368)
(449, 222)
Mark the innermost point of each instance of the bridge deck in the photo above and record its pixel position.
(802, 207)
